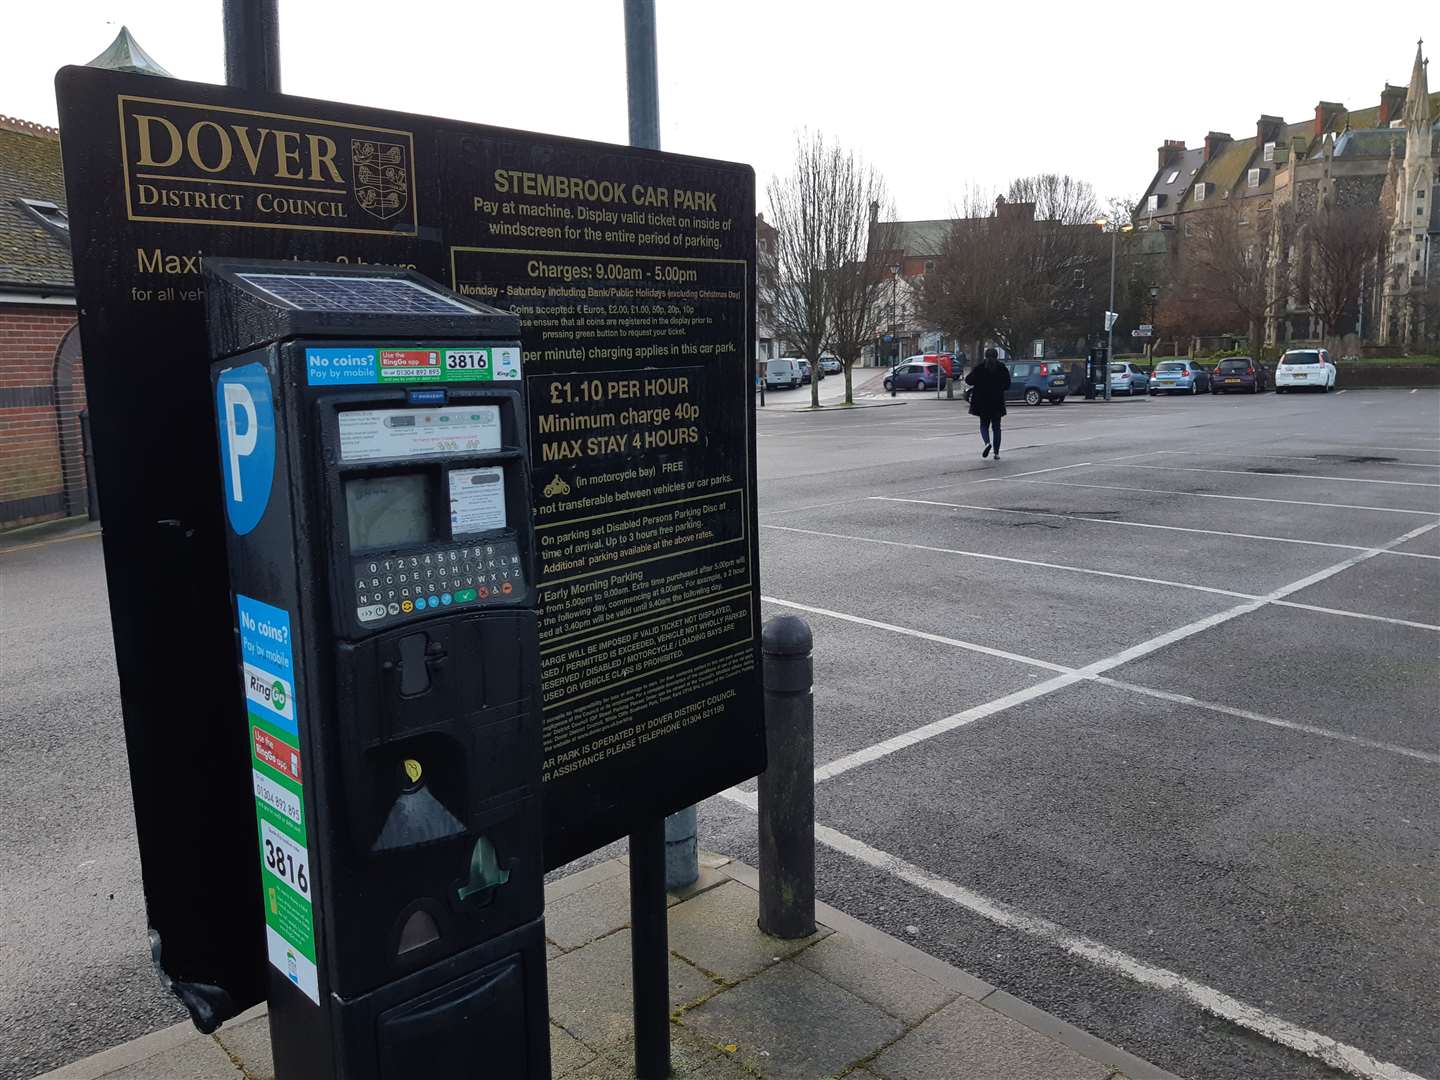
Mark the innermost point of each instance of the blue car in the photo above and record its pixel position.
(1180, 377)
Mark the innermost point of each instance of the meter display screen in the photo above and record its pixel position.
(389, 511)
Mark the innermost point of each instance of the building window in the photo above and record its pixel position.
(1269, 151)
(48, 214)
(1200, 191)
(1153, 203)
(1254, 177)
(1172, 177)
(929, 265)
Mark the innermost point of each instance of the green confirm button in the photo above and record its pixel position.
(464, 596)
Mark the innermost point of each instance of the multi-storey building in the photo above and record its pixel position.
(1277, 181)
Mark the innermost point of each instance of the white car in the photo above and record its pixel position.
(1305, 369)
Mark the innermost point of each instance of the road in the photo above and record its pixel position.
(1137, 724)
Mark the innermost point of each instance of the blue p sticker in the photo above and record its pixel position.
(247, 443)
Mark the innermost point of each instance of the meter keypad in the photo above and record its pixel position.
(397, 587)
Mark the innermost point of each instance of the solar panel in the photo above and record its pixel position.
(384, 295)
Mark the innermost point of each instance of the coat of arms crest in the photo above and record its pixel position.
(382, 177)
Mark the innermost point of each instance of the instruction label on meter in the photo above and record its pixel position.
(477, 499)
(373, 434)
(275, 769)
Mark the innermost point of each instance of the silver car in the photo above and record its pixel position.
(1126, 378)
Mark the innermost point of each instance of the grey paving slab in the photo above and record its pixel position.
(790, 1022)
(717, 933)
(250, 1043)
(691, 1058)
(198, 1059)
(592, 912)
(567, 1053)
(875, 977)
(590, 990)
(968, 1040)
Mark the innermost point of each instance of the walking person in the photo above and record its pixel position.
(988, 381)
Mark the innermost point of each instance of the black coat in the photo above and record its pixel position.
(988, 380)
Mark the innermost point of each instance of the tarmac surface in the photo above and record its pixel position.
(1138, 724)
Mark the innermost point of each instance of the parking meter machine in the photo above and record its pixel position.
(372, 445)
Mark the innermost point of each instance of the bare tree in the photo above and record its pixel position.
(1226, 264)
(866, 238)
(796, 290)
(1344, 244)
(962, 294)
(1058, 198)
(1030, 267)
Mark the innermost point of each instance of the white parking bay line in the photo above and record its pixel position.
(1038, 472)
(1010, 559)
(1273, 721)
(1128, 524)
(978, 712)
(1277, 1029)
(1281, 476)
(943, 726)
(1335, 458)
(923, 635)
(1358, 614)
(1233, 498)
(1099, 667)
(1146, 525)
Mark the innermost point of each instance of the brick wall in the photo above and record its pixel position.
(42, 464)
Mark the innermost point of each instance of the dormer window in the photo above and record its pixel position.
(1269, 151)
(1153, 203)
(1254, 177)
(1200, 191)
(48, 214)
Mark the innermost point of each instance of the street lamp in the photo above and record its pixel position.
(894, 328)
(1110, 315)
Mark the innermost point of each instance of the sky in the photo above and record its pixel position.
(940, 96)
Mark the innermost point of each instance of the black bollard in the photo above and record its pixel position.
(787, 786)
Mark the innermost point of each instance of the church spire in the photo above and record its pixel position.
(1417, 97)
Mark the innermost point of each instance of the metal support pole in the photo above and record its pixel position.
(649, 933)
(642, 84)
(252, 44)
(1110, 312)
(787, 786)
(650, 951)
(642, 81)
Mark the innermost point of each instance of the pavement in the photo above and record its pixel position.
(847, 1001)
(1137, 725)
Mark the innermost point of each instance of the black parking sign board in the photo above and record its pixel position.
(633, 274)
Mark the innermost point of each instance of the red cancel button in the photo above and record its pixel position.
(282, 757)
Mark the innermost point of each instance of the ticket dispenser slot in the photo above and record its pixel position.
(398, 546)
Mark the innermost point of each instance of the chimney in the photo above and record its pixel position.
(874, 211)
(1267, 129)
(1215, 141)
(1392, 104)
(1326, 113)
(1170, 152)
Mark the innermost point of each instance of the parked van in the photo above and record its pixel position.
(782, 373)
